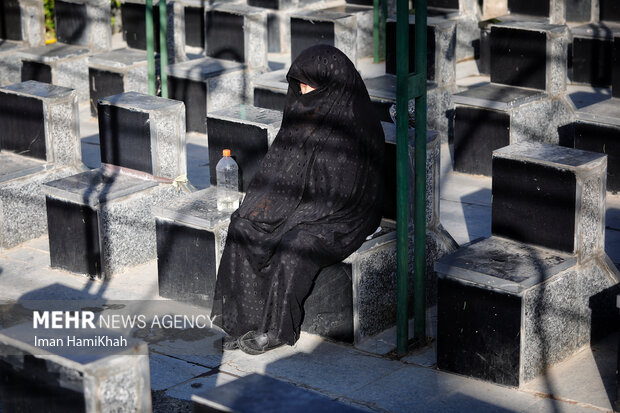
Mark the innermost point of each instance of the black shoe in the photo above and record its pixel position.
(230, 343)
(257, 343)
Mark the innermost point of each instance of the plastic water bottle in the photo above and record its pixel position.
(227, 175)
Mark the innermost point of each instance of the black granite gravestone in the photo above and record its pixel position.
(602, 139)
(360, 2)
(390, 49)
(615, 69)
(609, 10)
(10, 20)
(520, 188)
(195, 27)
(22, 125)
(578, 10)
(265, 4)
(103, 83)
(591, 61)
(73, 237)
(134, 26)
(194, 95)
(306, 33)
(185, 263)
(269, 99)
(225, 36)
(532, 8)
(36, 71)
(444, 4)
(125, 138)
(518, 57)
(477, 133)
(71, 21)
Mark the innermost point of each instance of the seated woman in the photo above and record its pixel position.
(316, 197)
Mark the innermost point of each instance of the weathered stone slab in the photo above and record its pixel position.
(84, 23)
(10, 63)
(144, 133)
(23, 20)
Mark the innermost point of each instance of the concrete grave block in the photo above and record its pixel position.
(100, 221)
(248, 132)
(493, 116)
(144, 133)
(553, 10)
(530, 54)
(364, 22)
(270, 90)
(84, 23)
(582, 10)
(465, 14)
(314, 27)
(134, 24)
(10, 63)
(40, 120)
(58, 64)
(23, 20)
(107, 379)
(592, 54)
(207, 84)
(115, 72)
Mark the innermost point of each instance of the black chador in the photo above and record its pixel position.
(316, 197)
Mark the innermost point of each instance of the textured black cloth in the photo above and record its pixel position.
(317, 195)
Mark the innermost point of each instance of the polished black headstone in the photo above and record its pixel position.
(195, 27)
(529, 7)
(73, 237)
(22, 125)
(518, 57)
(273, 33)
(390, 49)
(134, 25)
(602, 139)
(36, 71)
(591, 61)
(225, 38)
(478, 332)
(194, 95)
(484, 51)
(265, 4)
(125, 138)
(185, 263)
(247, 143)
(268, 99)
(328, 310)
(609, 10)
(534, 203)
(103, 83)
(578, 10)
(306, 33)
(71, 21)
(444, 4)
(389, 182)
(615, 69)
(360, 2)
(477, 133)
(10, 20)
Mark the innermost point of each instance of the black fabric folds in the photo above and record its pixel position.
(317, 195)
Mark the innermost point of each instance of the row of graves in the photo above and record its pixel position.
(509, 306)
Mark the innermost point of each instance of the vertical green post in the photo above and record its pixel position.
(402, 173)
(419, 221)
(163, 47)
(384, 12)
(150, 46)
(375, 30)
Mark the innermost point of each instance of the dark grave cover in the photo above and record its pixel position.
(389, 182)
(195, 27)
(518, 57)
(360, 2)
(590, 61)
(10, 20)
(22, 126)
(306, 33)
(602, 139)
(529, 7)
(248, 145)
(103, 83)
(266, 4)
(71, 21)
(477, 133)
(534, 204)
(578, 10)
(194, 95)
(73, 237)
(444, 4)
(390, 52)
(265, 98)
(36, 71)
(134, 26)
(610, 10)
(615, 69)
(125, 138)
(225, 36)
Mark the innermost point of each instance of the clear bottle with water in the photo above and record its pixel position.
(227, 176)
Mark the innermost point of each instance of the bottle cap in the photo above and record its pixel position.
(226, 152)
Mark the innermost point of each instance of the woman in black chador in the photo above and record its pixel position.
(316, 197)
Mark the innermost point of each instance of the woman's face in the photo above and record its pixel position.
(305, 88)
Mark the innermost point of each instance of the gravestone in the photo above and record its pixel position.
(248, 132)
(609, 11)
(592, 54)
(10, 63)
(134, 23)
(83, 23)
(553, 11)
(207, 84)
(364, 22)
(536, 291)
(23, 20)
(40, 142)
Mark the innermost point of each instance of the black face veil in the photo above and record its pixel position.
(320, 181)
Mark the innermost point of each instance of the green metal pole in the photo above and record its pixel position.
(375, 30)
(420, 177)
(150, 46)
(163, 47)
(384, 5)
(402, 173)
